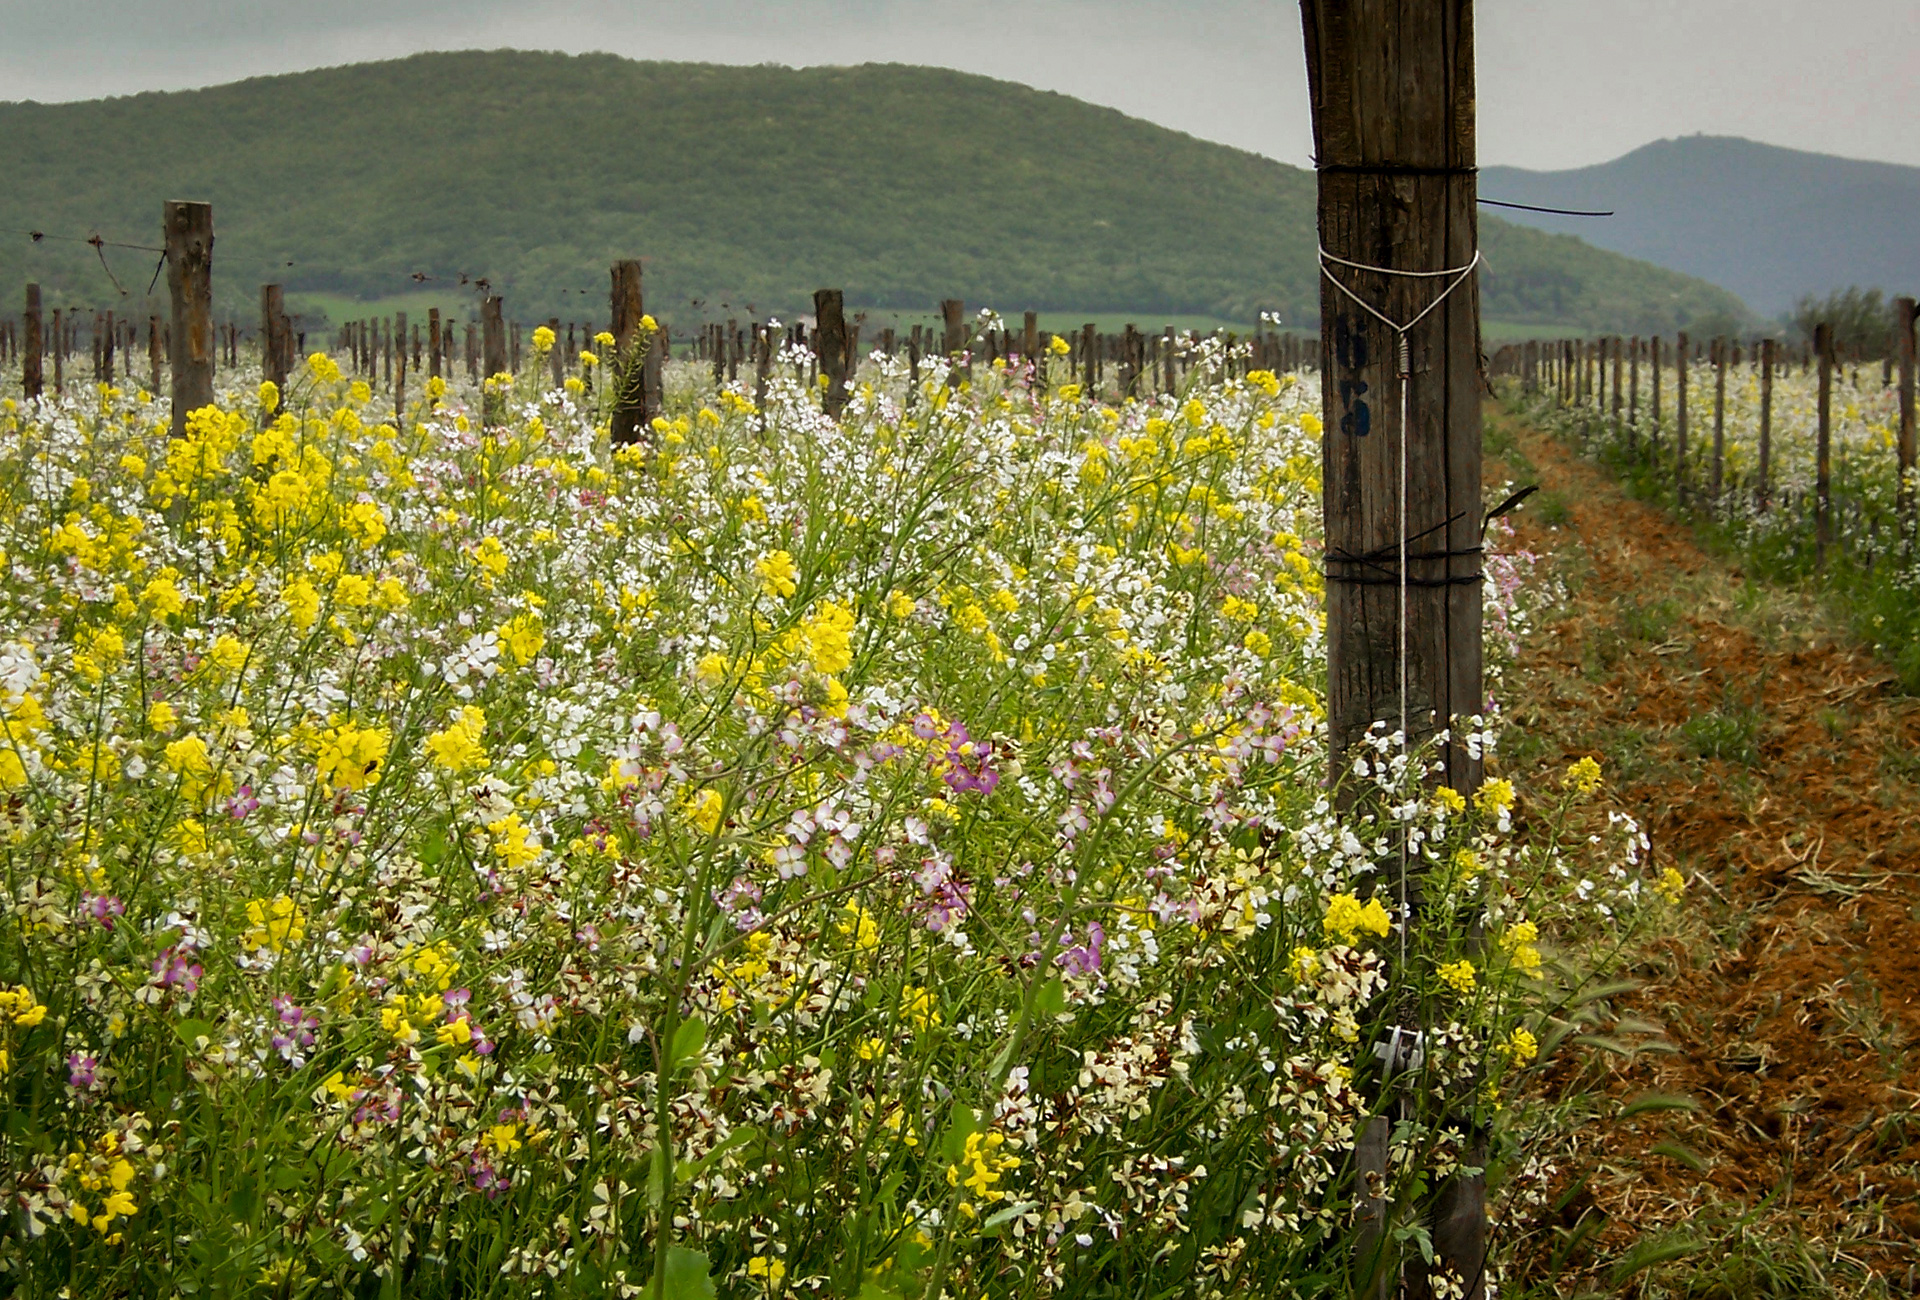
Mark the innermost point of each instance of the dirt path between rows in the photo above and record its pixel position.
(1776, 767)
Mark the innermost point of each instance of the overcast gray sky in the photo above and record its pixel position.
(1563, 83)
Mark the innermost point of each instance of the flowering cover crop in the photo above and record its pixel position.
(884, 857)
(1872, 562)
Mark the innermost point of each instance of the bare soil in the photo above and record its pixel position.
(1775, 766)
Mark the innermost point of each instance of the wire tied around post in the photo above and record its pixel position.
(1454, 277)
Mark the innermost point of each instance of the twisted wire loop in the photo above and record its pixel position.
(1397, 576)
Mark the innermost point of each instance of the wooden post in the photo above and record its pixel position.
(1823, 447)
(399, 367)
(1619, 364)
(1903, 346)
(189, 242)
(433, 342)
(493, 346)
(1720, 347)
(273, 325)
(32, 384)
(556, 367)
(1090, 357)
(830, 345)
(630, 414)
(1392, 91)
(60, 352)
(1681, 351)
(763, 366)
(1030, 339)
(1766, 423)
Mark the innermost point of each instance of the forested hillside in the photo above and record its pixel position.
(742, 185)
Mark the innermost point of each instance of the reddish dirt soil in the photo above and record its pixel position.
(1790, 994)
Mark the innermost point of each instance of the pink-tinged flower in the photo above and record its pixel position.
(103, 908)
(295, 1035)
(945, 898)
(82, 1072)
(176, 969)
(242, 803)
(969, 762)
(1084, 958)
(488, 1180)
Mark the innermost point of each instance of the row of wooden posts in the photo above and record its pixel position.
(380, 349)
(1602, 376)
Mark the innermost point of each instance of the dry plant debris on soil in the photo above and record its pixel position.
(1777, 768)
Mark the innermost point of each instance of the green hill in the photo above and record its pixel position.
(1769, 223)
(737, 185)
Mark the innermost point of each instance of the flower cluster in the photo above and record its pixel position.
(869, 855)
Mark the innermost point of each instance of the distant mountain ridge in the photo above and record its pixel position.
(742, 188)
(1768, 223)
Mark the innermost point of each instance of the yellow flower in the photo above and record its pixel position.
(459, 748)
(1458, 975)
(777, 574)
(1450, 799)
(1058, 346)
(274, 923)
(491, 555)
(161, 716)
(523, 636)
(1258, 642)
(542, 339)
(302, 602)
(1520, 1047)
(829, 637)
(770, 1269)
(900, 604)
(1494, 797)
(1303, 963)
(504, 1139)
(1584, 776)
(349, 756)
(858, 926)
(704, 810)
(919, 1006)
(1671, 885)
(269, 395)
(1519, 940)
(1347, 916)
(163, 598)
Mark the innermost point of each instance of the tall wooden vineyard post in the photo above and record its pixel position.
(630, 413)
(1903, 342)
(1766, 424)
(493, 359)
(31, 381)
(189, 243)
(1823, 447)
(831, 345)
(275, 349)
(1391, 83)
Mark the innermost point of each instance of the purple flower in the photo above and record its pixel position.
(103, 908)
(175, 968)
(1084, 959)
(81, 1071)
(242, 803)
(295, 1034)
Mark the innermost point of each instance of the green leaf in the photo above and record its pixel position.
(871, 1290)
(687, 1042)
(962, 1126)
(1684, 1155)
(1052, 998)
(689, 1274)
(687, 1170)
(1646, 1254)
(191, 1031)
(1647, 1101)
(433, 848)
